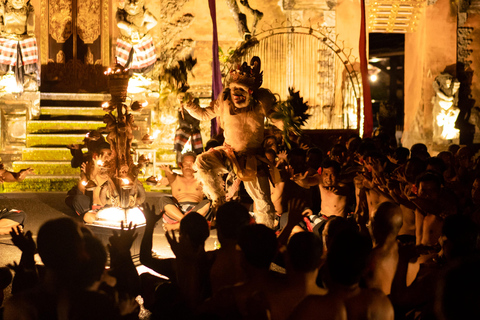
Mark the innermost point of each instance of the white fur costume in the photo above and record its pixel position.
(244, 133)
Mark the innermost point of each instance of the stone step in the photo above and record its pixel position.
(62, 168)
(44, 183)
(36, 140)
(52, 126)
(63, 154)
(51, 168)
(56, 111)
(75, 97)
(42, 154)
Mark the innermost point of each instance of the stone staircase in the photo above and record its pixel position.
(64, 119)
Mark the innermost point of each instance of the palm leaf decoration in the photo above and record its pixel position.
(293, 113)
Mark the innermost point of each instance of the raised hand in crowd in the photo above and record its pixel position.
(122, 241)
(150, 216)
(121, 263)
(23, 240)
(26, 275)
(296, 212)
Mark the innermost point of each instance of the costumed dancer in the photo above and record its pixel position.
(242, 108)
(188, 127)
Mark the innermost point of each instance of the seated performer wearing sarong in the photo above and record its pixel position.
(135, 48)
(187, 194)
(18, 46)
(10, 218)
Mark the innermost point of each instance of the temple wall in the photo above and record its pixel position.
(473, 21)
(345, 17)
(307, 13)
(428, 51)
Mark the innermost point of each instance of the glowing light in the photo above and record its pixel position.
(84, 183)
(113, 217)
(373, 77)
(100, 163)
(446, 120)
(155, 134)
(395, 16)
(125, 181)
(144, 104)
(168, 119)
(137, 83)
(105, 105)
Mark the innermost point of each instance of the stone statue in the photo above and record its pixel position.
(445, 110)
(241, 19)
(18, 46)
(135, 48)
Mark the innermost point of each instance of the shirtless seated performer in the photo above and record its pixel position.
(187, 194)
(333, 193)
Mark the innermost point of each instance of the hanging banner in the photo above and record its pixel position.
(216, 74)
(367, 100)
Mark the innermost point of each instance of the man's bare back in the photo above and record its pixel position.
(383, 264)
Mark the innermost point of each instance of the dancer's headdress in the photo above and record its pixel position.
(250, 76)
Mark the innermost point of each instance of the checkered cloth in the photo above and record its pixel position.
(181, 138)
(143, 53)
(28, 50)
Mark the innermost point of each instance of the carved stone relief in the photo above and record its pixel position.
(89, 57)
(88, 20)
(463, 41)
(60, 16)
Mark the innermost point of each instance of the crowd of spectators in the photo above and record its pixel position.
(365, 230)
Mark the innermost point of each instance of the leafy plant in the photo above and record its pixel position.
(293, 114)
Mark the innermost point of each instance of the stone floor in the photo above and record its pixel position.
(41, 207)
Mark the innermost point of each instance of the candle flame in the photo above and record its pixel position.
(144, 104)
(100, 163)
(105, 105)
(125, 181)
(84, 183)
(155, 134)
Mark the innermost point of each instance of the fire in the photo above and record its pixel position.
(105, 105)
(84, 183)
(125, 181)
(100, 163)
(144, 104)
